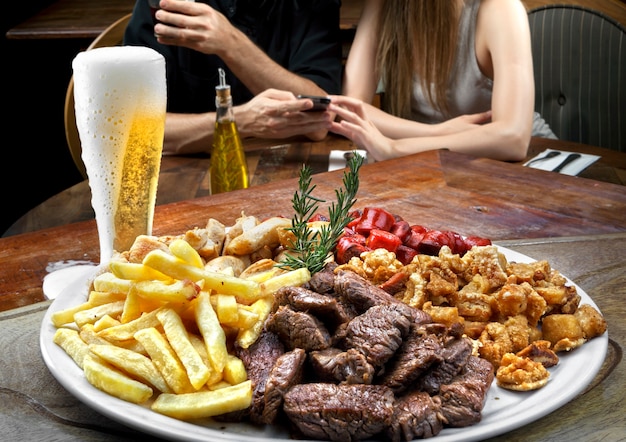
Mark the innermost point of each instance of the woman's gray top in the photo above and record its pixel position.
(470, 90)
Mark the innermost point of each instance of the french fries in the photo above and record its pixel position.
(160, 330)
(205, 403)
(220, 282)
(177, 291)
(212, 332)
(226, 309)
(133, 363)
(70, 341)
(291, 278)
(183, 250)
(95, 313)
(105, 378)
(125, 332)
(135, 271)
(165, 359)
(95, 299)
(248, 336)
(177, 336)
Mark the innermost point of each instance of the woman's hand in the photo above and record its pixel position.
(410, 137)
(354, 124)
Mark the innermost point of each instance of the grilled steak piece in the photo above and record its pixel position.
(287, 372)
(454, 357)
(446, 333)
(379, 332)
(416, 415)
(354, 362)
(462, 400)
(335, 365)
(298, 329)
(359, 292)
(326, 308)
(346, 412)
(324, 281)
(258, 359)
(418, 352)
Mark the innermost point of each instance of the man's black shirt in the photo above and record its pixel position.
(301, 35)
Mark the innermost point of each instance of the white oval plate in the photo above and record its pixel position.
(503, 411)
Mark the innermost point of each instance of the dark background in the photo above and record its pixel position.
(36, 162)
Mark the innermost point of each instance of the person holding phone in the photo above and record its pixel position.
(455, 74)
(271, 52)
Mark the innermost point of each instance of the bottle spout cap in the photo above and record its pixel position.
(223, 89)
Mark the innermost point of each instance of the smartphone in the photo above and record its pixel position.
(319, 103)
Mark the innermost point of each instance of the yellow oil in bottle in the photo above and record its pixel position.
(228, 170)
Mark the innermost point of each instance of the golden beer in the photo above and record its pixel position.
(120, 102)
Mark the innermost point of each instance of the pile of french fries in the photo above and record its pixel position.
(160, 332)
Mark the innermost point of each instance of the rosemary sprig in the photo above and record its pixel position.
(310, 249)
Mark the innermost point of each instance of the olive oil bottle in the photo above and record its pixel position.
(228, 170)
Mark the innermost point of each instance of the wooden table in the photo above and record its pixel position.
(577, 224)
(88, 18)
(610, 168)
(439, 189)
(185, 177)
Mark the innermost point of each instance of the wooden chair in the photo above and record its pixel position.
(579, 57)
(112, 36)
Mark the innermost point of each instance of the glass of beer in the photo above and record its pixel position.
(120, 103)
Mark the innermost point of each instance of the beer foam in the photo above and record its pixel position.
(113, 88)
(116, 81)
(112, 85)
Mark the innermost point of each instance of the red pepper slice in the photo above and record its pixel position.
(374, 218)
(382, 239)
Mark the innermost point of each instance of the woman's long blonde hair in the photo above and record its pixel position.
(416, 36)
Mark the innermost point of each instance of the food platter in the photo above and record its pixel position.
(504, 410)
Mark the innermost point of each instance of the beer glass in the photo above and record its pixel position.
(120, 100)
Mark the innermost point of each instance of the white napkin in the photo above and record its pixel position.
(337, 158)
(572, 169)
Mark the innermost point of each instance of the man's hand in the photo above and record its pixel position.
(193, 25)
(279, 114)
